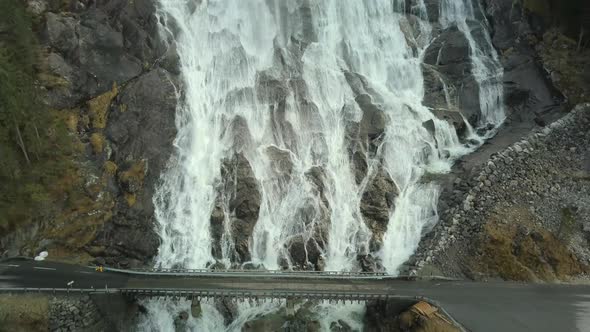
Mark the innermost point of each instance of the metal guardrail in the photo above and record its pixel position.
(237, 271)
(276, 274)
(72, 291)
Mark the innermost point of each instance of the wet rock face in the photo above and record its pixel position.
(99, 48)
(447, 60)
(240, 209)
(140, 130)
(244, 205)
(377, 205)
(528, 90)
(304, 251)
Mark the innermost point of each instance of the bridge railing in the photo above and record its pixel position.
(196, 294)
(240, 295)
(73, 291)
(258, 272)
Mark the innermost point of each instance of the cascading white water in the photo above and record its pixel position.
(486, 68)
(225, 47)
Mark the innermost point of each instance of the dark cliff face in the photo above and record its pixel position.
(104, 60)
(528, 88)
(107, 43)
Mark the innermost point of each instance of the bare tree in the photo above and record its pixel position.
(20, 142)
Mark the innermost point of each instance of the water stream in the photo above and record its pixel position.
(263, 78)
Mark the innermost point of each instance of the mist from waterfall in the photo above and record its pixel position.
(226, 48)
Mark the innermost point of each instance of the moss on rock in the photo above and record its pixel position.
(98, 108)
(110, 168)
(131, 199)
(97, 141)
(132, 178)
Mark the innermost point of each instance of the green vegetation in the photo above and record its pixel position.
(36, 148)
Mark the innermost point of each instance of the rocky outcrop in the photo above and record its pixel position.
(96, 45)
(448, 74)
(139, 135)
(377, 205)
(528, 89)
(240, 209)
(101, 70)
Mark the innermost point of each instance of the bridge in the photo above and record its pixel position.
(478, 306)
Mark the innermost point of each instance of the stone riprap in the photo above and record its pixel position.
(547, 172)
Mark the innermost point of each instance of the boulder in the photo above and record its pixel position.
(142, 125)
(435, 96)
(217, 221)
(432, 9)
(368, 263)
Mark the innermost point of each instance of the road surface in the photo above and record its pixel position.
(498, 306)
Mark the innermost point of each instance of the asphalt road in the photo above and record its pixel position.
(494, 307)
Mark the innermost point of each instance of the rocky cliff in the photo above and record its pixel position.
(102, 72)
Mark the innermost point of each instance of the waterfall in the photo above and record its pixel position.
(283, 89)
(486, 67)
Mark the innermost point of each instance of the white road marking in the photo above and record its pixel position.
(85, 272)
(11, 265)
(44, 268)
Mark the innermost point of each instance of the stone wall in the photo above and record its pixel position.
(97, 312)
(546, 174)
(74, 313)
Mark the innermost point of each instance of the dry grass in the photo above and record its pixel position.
(98, 108)
(110, 168)
(134, 176)
(97, 141)
(24, 313)
(515, 248)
